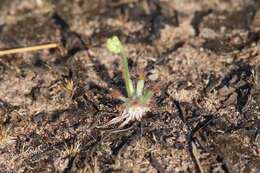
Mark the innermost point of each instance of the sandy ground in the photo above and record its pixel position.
(202, 56)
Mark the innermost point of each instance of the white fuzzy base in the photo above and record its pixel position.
(129, 114)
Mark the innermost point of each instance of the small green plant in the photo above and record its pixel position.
(137, 98)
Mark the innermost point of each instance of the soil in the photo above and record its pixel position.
(202, 56)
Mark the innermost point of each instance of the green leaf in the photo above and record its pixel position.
(139, 87)
(146, 97)
(114, 45)
(123, 99)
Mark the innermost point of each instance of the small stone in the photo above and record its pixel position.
(208, 33)
(153, 77)
(39, 117)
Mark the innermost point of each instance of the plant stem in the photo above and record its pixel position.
(126, 76)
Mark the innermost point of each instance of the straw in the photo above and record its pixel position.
(28, 49)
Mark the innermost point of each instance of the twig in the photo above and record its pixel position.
(28, 49)
(195, 153)
(155, 163)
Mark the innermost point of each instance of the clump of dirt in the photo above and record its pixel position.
(203, 56)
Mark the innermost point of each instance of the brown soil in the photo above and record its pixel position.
(202, 55)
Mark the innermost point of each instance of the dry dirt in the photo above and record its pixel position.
(202, 56)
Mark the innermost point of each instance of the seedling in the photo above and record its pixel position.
(137, 100)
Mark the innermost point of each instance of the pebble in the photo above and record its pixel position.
(153, 77)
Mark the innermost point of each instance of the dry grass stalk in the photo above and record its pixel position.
(28, 49)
